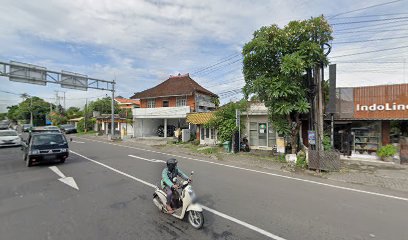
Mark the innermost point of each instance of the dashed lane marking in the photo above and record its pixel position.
(223, 215)
(267, 173)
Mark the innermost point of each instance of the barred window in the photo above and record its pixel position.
(181, 101)
(151, 103)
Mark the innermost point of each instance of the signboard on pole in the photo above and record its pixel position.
(311, 136)
(27, 73)
(74, 81)
(237, 117)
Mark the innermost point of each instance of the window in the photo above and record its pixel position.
(212, 133)
(253, 134)
(166, 103)
(207, 133)
(202, 133)
(181, 101)
(151, 103)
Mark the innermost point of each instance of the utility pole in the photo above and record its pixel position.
(64, 101)
(31, 110)
(85, 110)
(113, 111)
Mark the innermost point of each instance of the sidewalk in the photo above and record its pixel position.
(370, 173)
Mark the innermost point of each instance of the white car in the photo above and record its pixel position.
(9, 138)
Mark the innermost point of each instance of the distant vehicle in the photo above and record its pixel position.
(68, 128)
(26, 127)
(46, 129)
(9, 138)
(4, 124)
(45, 146)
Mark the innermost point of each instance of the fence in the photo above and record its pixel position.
(324, 160)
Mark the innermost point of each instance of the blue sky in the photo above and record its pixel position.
(141, 43)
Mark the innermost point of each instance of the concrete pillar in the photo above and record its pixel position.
(106, 128)
(165, 127)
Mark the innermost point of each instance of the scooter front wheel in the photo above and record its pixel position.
(196, 219)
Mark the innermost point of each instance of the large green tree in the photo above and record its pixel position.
(276, 62)
(22, 111)
(102, 105)
(73, 112)
(225, 120)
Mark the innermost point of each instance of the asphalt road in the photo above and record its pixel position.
(112, 203)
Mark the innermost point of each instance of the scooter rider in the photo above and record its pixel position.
(170, 172)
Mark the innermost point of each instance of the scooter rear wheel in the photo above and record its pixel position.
(196, 219)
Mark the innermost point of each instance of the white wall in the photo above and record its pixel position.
(161, 112)
(146, 127)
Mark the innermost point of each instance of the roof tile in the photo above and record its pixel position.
(173, 86)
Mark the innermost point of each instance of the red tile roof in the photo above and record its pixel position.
(129, 101)
(174, 86)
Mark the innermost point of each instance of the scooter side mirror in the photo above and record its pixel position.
(192, 172)
(174, 179)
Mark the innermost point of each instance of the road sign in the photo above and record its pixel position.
(74, 81)
(237, 117)
(311, 136)
(27, 73)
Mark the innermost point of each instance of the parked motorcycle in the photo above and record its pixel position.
(244, 145)
(184, 202)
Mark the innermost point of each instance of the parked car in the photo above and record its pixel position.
(45, 146)
(26, 127)
(9, 138)
(68, 128)
(4, 126)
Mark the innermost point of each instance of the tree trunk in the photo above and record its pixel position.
(295, 132)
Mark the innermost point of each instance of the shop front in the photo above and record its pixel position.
(367, 118)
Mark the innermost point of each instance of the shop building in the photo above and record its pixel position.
(367, 118)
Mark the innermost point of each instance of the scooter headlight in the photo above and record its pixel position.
(192, 195)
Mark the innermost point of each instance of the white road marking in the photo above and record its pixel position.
(57, 171)
(77, 141)
(245, 224)
(267, 173)
(145, 159)
(67, 180)
(252, 227)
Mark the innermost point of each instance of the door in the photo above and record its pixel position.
(262, 131)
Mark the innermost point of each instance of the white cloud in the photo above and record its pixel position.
(141, 43)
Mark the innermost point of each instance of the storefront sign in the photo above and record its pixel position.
(379, 102)
(382, 107)
(311, 136)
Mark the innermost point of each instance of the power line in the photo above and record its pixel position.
(370, 40)
(364, 8)
(380, 50)
(373, 15)
(368, 21)
(375, 30)
(209, 71)
(217, 63)
(375, 25)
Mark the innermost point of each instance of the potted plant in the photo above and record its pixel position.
(387, 152)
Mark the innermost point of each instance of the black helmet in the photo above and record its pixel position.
(171, 164)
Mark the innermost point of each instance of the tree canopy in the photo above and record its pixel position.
(276, 62)
(39, 107)
(224, 120)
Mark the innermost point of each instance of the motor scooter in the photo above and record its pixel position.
(244, 145)
(184, 202)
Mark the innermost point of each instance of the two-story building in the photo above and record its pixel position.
(165, 106)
